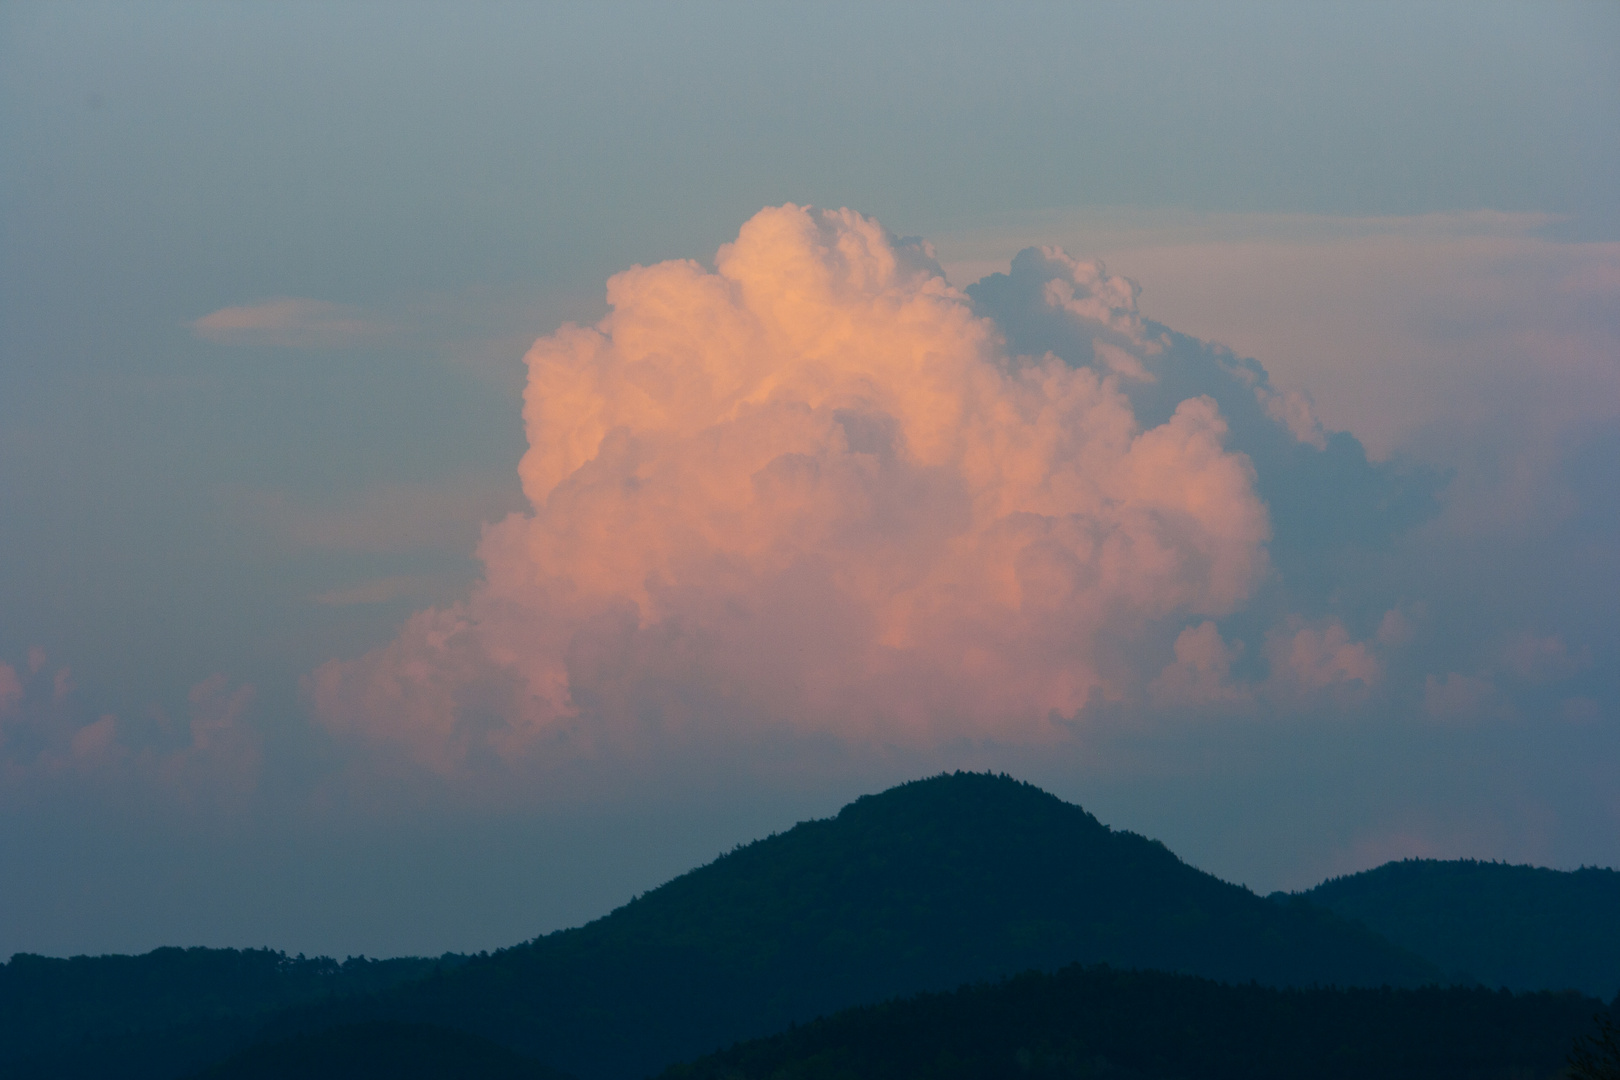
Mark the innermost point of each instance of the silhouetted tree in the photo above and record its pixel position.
(1597, 1057)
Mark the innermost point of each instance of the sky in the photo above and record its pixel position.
(463, 465)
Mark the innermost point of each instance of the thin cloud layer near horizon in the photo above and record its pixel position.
(1209, 414)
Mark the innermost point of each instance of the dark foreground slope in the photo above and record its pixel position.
(166, 1010)
(1096, 1022)
(924, 887)
(380, 1051)
(1522, 927)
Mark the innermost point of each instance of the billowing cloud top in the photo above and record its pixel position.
(816, 490)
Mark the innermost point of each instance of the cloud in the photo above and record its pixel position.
(48, 741)
(1543, 659)
(814, 491)
(1459, 697)
(10, 689)
(1426, 330)
(817, 495)
(1395, 628)
(292, 323)
(1294, 411)
(1320, 489)
(1201, 676)
(1319, 658)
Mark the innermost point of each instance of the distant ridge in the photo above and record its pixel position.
(167, 1011)
(956, 879)
(1089, 1023)
(1523, 927)
(380, 1051)
(926, 886)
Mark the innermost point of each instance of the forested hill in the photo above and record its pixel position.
(380, 1051)
(923, 887)
(1096, 1022)
(1522, 927)
(169, 1009)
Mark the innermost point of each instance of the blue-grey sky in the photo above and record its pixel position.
(268, 273)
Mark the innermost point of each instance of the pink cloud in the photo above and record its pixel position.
(1089, 292)
(216, 709)
(47, 740)
(95, 739)
(810, 491)
(290, 323)
(1293, 410)
(1396, 326)
(1321, 658)
(1395, 628)
(1458, 697)
(11, 690)
(1543, 659)
(1201, 675)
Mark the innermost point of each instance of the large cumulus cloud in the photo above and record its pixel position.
(815, 490)
(1318, 485)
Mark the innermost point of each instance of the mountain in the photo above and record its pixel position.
(380, 1051)
(1097, 1022)
(167, 1010)
(925, 887)
(1523, 927)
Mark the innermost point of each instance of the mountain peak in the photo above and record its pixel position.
(951, 879)
(958, 792)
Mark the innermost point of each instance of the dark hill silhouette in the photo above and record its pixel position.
(1096, 1022)
(168, 1010)
(381, 1051)
(924, 887)
(1523, 927)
